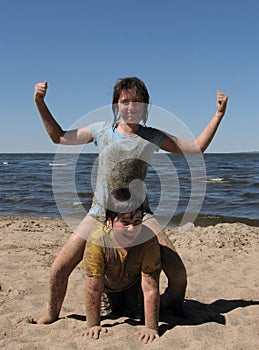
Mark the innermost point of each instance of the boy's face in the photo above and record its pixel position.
(131, 107)
(126, 228)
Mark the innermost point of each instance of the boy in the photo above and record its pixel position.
(118, 264)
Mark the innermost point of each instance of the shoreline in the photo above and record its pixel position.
(200, 221)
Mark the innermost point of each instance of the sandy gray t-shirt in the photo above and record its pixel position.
(122, 162)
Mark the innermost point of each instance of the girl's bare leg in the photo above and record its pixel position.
(70, 255)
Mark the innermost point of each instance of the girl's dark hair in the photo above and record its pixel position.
(121, 202)
(133, 83)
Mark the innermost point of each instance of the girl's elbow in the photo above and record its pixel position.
(58, 138)
(55, 140)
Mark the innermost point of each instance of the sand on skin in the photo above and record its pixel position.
(222, 295)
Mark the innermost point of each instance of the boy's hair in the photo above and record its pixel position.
(132, 83)
(121, 202)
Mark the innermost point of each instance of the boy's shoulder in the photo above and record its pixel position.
(145, 242)
(98, 236)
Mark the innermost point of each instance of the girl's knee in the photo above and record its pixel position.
(70, 255)
(62, 267)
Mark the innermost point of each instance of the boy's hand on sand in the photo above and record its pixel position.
(222, 100)
(94, 332)
(40, 91)
(147, 335)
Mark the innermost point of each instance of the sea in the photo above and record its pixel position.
(47, 185)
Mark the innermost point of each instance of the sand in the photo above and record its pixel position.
(222, 295)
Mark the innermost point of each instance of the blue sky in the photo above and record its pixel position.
(184, 50)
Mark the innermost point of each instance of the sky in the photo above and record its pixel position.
(183, 50)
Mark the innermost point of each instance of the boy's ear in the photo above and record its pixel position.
(109, 222)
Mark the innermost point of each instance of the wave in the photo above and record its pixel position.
(58, 164)
(78, 203)
(217, 180)
(11, 199)
(207, 180)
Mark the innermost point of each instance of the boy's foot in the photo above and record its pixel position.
(179, 311)
(105, 308)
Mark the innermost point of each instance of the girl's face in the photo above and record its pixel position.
(126, 228)
(131, 107)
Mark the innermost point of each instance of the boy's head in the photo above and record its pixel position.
(124, 217)
(122, 202)
(130, 90)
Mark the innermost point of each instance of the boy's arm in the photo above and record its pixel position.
(150, 287)
(181, 146)
(93, 292)
(56, 133)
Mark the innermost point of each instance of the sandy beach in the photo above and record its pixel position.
(222, 295)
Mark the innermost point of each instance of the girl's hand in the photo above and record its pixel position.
(40, 91)
(222, 100)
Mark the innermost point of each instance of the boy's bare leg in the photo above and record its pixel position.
(70, 255)
(175, 271)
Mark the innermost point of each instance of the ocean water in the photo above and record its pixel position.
(42, 185)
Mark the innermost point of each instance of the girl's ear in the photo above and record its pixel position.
(109, 222)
